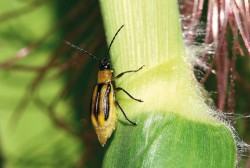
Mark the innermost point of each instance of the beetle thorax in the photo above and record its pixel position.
(104, 76)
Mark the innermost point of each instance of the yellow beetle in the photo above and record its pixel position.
(103, 106)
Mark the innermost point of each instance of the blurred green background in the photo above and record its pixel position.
(46, 86)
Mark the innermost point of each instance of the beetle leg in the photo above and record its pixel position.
(116, 102)
(121, 89)
(121, 74)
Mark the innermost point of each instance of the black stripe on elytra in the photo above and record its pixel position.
(106, 102)
(97, 101)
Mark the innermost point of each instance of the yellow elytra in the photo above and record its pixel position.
(103, 110)
(103, 106)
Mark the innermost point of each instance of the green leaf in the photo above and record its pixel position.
(170, 140)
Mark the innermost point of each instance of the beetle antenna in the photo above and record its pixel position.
(114, 39)
(82, 50)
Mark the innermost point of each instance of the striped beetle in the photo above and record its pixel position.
(103, 110)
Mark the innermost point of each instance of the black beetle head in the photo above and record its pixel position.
(104, 64)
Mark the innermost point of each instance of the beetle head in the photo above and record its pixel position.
(104, 64)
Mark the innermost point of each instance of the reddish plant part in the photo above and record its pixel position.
(224, 18)
(191, 11)
(240, 10)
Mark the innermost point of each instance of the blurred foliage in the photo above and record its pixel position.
(45, 86)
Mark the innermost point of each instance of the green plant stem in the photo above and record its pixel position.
(150, 35)
(175, 125)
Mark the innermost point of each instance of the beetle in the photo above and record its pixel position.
(103, 104)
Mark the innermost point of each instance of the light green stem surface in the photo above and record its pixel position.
(175, 125)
